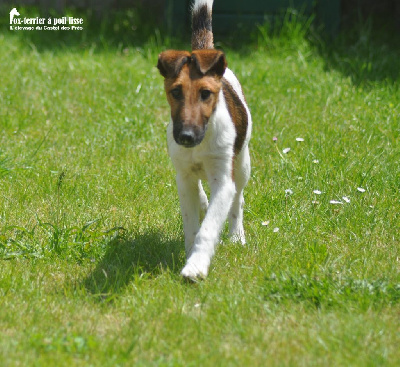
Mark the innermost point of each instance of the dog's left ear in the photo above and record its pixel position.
(170, 62)
(209, 61)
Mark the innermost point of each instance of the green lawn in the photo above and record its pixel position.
(91, 240)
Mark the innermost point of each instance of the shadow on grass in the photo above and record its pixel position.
(143, 256)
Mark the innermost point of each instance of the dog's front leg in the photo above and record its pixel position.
(189, 197)
(222, 192)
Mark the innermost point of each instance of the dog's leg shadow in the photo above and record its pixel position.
(148, 254)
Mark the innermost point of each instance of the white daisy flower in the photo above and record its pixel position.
(286, 150)
(335, 202)
(346, 199)
(299, 139)
(360, 189)
(276, 229)
(317, 192)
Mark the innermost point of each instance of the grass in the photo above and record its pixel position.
(91, 241)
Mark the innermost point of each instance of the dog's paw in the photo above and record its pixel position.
(196, 267)
(238, 237)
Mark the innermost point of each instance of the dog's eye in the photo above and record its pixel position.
(177, 93)
(205, 94)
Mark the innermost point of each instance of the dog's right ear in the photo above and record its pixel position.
(170, 62)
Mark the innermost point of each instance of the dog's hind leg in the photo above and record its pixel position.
(203, 201)
(241, 175)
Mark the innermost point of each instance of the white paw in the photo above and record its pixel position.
(196, 267)
(238, 237)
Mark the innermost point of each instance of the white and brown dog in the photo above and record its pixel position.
(208, 139)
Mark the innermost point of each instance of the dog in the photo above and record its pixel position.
(208, 137)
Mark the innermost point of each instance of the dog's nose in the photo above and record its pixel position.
(187, 138)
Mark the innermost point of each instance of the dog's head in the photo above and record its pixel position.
(192, 84)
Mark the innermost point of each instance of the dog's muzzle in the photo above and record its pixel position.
(189, 136)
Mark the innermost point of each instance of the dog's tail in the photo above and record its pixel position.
(202, 36)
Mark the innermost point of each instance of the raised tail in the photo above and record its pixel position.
(202, 36)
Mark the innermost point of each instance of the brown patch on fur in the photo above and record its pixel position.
(170, 62)
(210, 61)
(238, 113)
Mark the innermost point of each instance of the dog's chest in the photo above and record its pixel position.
(197, 169)
(190, 160)
(191, 165)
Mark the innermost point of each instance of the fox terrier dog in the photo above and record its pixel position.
(208, 137)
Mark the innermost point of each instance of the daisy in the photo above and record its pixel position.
(346, 199)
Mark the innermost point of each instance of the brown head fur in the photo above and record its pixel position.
(192, 84)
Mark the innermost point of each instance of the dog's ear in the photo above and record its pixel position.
(170, 62)
(209, 61)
